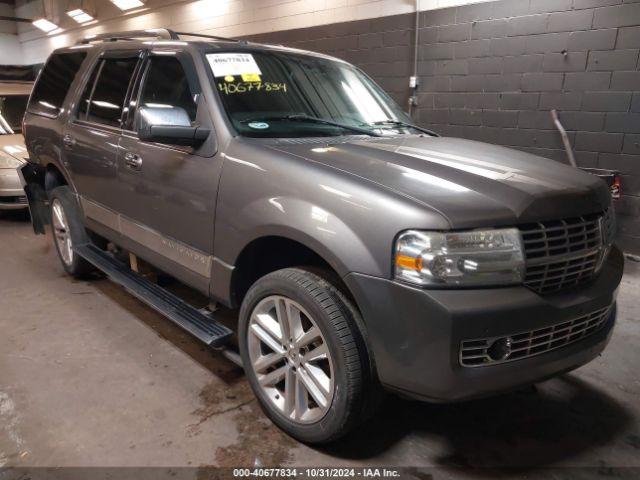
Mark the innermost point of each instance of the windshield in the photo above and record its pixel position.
(273, 94)
(12, 108)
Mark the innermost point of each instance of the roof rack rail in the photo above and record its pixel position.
(161, 33)
(164, 33)
(213, 37)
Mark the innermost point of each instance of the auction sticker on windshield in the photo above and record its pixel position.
(223, 64)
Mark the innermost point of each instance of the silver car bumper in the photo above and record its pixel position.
(12, 196)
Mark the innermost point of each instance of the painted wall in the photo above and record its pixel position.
(10, 49)
(492, 72)
(218, 17)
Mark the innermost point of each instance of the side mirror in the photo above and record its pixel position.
(169, 124)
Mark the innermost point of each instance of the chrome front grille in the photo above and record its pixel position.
(491, 351)
(564, 253)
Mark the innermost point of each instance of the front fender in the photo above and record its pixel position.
(317, 228)
(292, 219)
(348, 221)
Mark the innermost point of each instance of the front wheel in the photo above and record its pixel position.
(304, 355)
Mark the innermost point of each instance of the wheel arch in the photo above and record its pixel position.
(54, 177)
(312, 256)
(267, 253)
(39, 180)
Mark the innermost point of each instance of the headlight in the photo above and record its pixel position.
(473, 258)
(7, 161)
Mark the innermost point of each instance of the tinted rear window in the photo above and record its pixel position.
(54, 82)
(107, 100)
(85, 100)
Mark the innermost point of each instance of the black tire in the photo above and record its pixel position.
(334, 317)
(77, 266)
(374, 393)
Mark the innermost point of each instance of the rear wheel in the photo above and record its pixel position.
(67, 230)
(303, 354)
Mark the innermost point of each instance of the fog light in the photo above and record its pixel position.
(500, 349)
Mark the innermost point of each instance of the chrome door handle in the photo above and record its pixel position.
(133, 161)
(68, 141)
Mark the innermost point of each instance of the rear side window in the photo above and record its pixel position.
(104, 96)
(85, 100)
(54, 82)
(166, 84)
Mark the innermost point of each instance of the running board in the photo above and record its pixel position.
(202, 326)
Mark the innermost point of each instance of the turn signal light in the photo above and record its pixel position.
(412, 263)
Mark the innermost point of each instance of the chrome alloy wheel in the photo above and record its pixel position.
(61, 231)
(290, 359)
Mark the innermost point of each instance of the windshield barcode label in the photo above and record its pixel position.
(223, 64)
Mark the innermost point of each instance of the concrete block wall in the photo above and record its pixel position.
(493, 71)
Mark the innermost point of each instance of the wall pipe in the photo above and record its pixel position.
(565, 138)
(413, 101)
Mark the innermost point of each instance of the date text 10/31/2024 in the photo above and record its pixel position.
(320, 472)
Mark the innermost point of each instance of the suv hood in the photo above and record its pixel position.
(472, 184)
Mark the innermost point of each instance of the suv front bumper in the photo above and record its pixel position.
(416, 334)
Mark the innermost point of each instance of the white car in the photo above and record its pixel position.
(13, 101)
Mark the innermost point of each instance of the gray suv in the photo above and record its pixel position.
(365, 254)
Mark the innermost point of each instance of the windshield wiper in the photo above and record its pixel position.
(405, 124)
(308, 118)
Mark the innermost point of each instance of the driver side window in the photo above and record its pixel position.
(166, 85)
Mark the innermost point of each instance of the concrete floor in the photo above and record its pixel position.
(89, 376)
